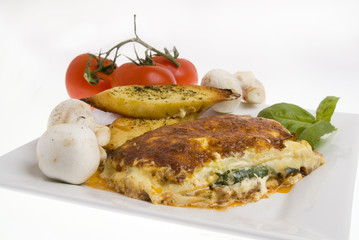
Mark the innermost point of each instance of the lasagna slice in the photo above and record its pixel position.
(215, 161)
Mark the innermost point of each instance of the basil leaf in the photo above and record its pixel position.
(301, 122)
(313, 133)
(294, 126)
(287, 111)
(326, 108)
(292, 117)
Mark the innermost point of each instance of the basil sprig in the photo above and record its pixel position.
(299, 121)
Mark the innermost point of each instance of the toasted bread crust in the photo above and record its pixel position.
(124, 128)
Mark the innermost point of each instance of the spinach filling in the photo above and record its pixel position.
(233, 176)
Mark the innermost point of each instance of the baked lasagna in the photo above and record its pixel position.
(215, 161)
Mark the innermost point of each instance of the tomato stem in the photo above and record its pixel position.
(93, 79)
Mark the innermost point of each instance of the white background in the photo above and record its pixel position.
(302, 51)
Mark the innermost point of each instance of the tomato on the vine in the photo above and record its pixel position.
(185, 74)
(132, 74)
(77, 86)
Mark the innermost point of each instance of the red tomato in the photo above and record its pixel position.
(76, 84)
(132, 74)
(185, 74)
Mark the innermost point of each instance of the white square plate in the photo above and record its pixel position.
(318, 207)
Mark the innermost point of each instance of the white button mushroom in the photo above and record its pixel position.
(68, 152)
(219, 78)
(71, 148)
(72, 111)
(79, 112)
(253, 90)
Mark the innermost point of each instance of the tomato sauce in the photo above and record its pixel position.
(284, 189)
(95, 181)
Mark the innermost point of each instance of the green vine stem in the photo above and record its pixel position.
(93, 79)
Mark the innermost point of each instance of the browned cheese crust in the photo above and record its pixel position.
(175, 147)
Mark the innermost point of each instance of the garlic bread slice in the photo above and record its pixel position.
(124, 128)
(159, 101)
